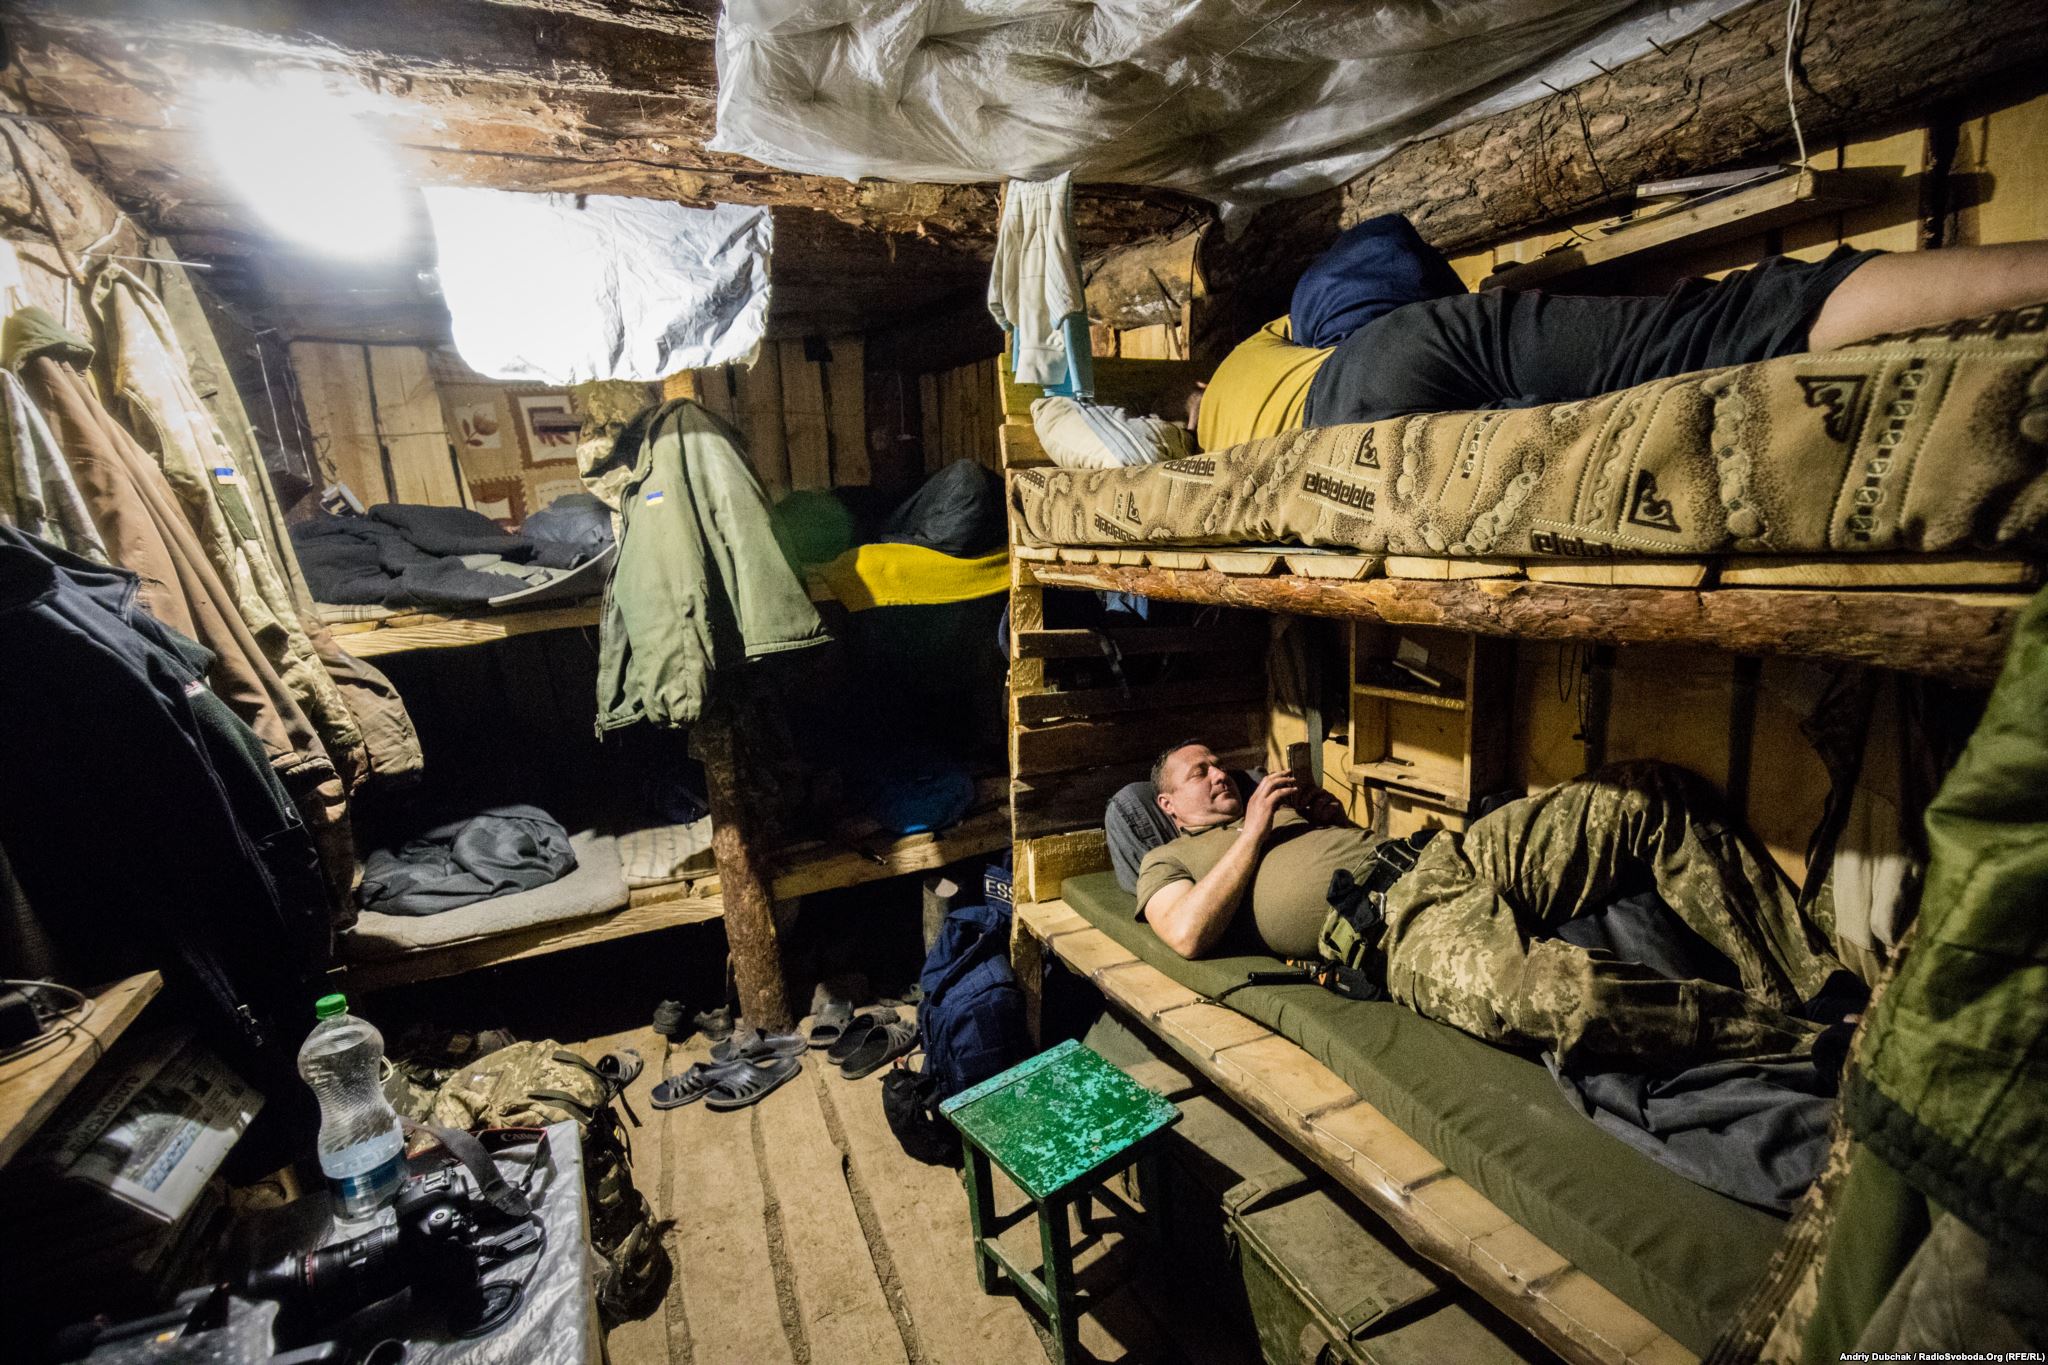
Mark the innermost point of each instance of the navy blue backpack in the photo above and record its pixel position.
(972, 1019)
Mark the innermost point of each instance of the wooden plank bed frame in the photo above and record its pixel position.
(1439, 1214)
(1073, 743)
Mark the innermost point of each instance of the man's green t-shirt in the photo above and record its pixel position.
(1291, 883)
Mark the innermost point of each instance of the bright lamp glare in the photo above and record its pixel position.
(298, 154)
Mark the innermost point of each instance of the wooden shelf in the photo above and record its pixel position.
(1401, 694)
(493, 950)
(808, 870)
(1740, 212)
(33, 1085)
(427, 630)
(449, 632)
(1956, 635)
(829, 869)
(1403, 778)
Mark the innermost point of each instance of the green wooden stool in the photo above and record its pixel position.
(1059, 1125)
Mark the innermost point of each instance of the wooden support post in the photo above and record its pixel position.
(1026, 678)
(750, 929)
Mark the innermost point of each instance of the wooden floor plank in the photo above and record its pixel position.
(922, 1213)
(724, 1272)
(845, 1312)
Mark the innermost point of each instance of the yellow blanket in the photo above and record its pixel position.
(912, 576)
(1260, 389)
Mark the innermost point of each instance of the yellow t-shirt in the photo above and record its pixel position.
(1260, 389)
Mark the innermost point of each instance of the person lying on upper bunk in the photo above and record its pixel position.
(1465, 931)
(1381, 326)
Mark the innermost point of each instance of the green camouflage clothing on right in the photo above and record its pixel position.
(1465, 940)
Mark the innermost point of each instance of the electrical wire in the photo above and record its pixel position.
(1792, 8)
(72, 1016)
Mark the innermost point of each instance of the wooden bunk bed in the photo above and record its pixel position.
(805, 870)
(1072, 747)
(432, 630)
(851, 856)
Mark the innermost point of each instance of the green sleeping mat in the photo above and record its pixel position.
(1684, 1257)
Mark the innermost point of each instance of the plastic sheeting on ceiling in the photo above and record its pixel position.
(1238, 101)
(563, 288)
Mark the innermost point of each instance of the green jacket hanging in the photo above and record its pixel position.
(1951, 1087)
(701, 583)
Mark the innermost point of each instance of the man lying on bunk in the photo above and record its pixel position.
(1381, 326)
(1465, 936)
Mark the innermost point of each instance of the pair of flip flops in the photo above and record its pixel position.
(871, 1041)
(732, 1084)
(752, 1045)
(829, 1022)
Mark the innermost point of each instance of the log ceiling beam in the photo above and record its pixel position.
(569, 96)
(1714, 100)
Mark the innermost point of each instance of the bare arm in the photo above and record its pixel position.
(1190, 917)
(1910, 289)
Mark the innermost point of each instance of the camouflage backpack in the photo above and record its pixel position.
(530, 1085)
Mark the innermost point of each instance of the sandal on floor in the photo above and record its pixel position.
(893, 1039)
(747, 1082)
(830, 1022)
(621, 1066)
(694, 1084)
(864, 1024)
(753, 1045)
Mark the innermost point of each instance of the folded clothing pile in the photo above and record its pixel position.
(405, 556)
(459, 862)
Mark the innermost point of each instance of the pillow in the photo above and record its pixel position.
(1134, 825)
(1082, 435)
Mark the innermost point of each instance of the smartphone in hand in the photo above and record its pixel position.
(1298, 764)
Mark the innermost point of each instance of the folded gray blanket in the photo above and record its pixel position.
(498, 851)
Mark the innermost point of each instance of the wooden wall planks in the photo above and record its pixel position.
(334, 384)
(805, 426)
(846, 407)
(805, 421)
(412, 429)
(760, 414)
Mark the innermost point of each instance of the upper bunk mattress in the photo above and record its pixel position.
(1684, 1257)
(1929, 441)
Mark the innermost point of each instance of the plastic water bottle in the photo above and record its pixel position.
(362, 1146)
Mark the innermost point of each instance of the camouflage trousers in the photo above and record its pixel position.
(1466, 938)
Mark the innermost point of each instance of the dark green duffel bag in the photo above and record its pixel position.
(1325, 1290)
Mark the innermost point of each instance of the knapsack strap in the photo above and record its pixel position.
(585, 1113)
(608, 1088)
(497, 1191)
